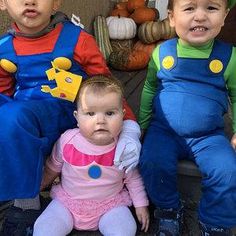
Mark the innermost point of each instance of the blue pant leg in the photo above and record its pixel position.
(158, 167)
(4, 99)
(217, 162)
(28, 130)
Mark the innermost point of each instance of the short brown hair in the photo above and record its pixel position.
(170, 5)
(101, 83)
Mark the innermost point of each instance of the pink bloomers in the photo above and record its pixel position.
(87, 213)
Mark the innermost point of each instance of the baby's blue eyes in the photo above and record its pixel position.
(108, 113)
(90, 113)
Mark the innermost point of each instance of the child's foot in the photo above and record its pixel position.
(170, 222)
(18, 222)
(208, 230)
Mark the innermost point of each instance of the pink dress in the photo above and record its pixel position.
(90, 184)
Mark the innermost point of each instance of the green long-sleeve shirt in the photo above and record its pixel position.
(186, 51)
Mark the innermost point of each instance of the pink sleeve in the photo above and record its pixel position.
(135, 186)
(55, 161)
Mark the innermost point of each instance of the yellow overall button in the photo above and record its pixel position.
(62, 63)
(168, 62)
(216, 66)
(8, 66)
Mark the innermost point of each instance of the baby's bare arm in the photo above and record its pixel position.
(48, 177)
(142, 214)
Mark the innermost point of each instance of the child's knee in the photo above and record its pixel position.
(39, 224)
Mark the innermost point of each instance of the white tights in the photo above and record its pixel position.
(57, 220)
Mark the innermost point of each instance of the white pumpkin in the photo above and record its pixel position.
(121, 27)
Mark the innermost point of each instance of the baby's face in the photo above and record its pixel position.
(198, 21)
(100, 117)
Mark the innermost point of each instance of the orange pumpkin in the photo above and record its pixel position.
(119, 12)
(134, 4)
(121, 5)
(143, 14)
(128, 60)
(148, 48)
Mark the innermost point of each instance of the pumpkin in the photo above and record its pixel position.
(126, 44)
(134, 4)
(148, 48)
(128, 60)
(121, 5)
(143, 14)
(152, 31)
(121, 27)
(119, 12)
(167, 31)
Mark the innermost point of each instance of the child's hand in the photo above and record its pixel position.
(142, 214)
(233, 141)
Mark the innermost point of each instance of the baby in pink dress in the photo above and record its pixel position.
(93, 193)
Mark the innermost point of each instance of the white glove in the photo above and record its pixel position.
(128, 146)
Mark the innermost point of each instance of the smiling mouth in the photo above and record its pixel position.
(198, 29)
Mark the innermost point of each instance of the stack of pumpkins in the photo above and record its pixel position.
(134, 31)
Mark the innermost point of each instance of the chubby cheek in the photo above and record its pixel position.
(85, 127)
(85, 131)
(116, 128)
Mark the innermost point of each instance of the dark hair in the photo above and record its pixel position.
(170, 5)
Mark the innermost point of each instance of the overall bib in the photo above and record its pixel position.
(188, 123)
(32, 121)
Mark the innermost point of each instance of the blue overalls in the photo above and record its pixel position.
(187, 123)
(32, 121)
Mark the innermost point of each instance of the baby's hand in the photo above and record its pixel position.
(233, 141)
(142, 214)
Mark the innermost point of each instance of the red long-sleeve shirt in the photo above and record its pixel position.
(86, 53)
